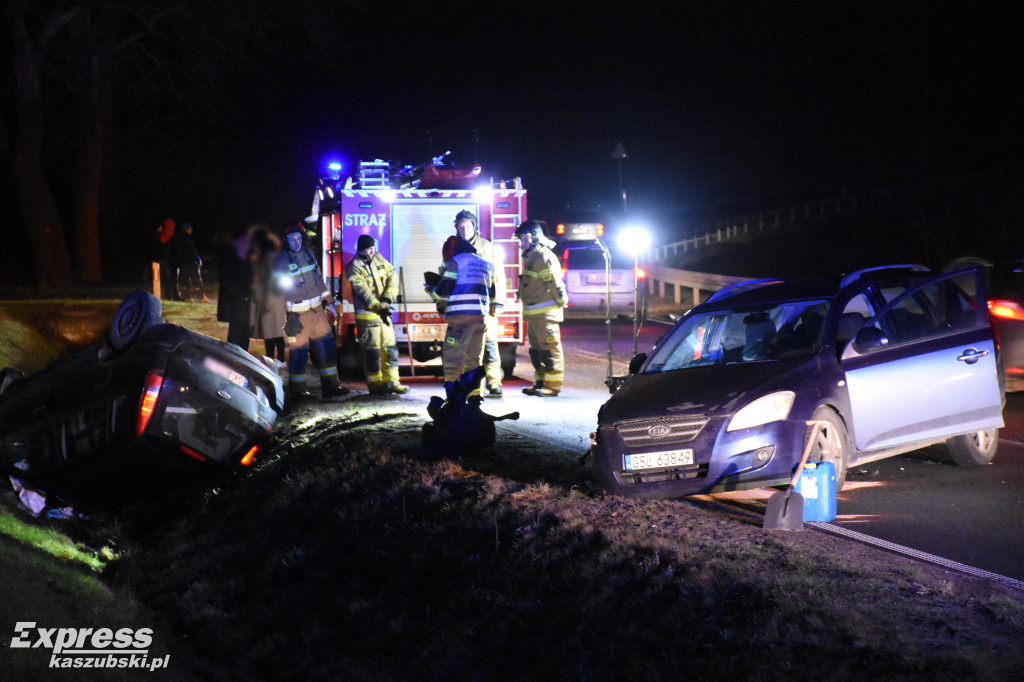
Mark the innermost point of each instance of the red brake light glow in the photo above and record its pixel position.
(1007, 310)
(192, 453)
(247, 459)
(639, 272)
(600, 230)
(560, 229)
(154, 380)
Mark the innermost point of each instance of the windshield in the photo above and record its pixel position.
(775, 331)
(592, 258)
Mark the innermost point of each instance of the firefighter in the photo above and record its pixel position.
(543, 295)
(374, 288)
(466, 291)
(467, 227)
(297, 276)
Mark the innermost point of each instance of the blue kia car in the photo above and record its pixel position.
(892, 359)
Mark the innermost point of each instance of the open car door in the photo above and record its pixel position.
(925, 366)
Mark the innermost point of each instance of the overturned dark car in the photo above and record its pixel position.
(150, 405)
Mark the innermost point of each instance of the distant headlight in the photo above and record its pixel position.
(769, 408)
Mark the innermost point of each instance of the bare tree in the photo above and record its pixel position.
(76, 64)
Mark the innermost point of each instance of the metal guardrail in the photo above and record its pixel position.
(659, 276)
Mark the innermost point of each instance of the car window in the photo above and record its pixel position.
(859, 304)
(889, 293)
(752, 334)
(592, 258)
(84, 431)
(941, 306)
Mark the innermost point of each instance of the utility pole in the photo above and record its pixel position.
(618, 155)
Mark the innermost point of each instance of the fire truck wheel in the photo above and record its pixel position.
(139, 310)
(507, 353)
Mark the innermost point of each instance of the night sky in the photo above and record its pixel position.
(719, 105)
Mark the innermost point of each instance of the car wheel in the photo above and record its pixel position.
(974, 449)
(832, 443)
(138, 311)
(507, 353)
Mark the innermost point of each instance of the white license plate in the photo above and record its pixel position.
(657, 460)
(599, 279)
(427, 332)
(220, 369)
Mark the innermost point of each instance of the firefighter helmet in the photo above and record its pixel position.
(294, 226)
(531, 227)
(466, 215)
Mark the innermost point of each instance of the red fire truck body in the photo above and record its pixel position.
(411, 226)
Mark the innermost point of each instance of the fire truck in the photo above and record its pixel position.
(411, 214)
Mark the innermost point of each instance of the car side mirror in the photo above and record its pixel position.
(869, 339)
(637, 362)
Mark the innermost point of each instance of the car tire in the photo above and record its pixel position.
(507, 354)
(832, 443)
(974, 449)
(139, 310)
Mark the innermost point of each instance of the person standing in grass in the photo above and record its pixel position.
(543, 294)
(297, 277)
(374, 289)
(190, 265)
(268, 313)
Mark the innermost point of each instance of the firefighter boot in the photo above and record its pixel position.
(330, 388)
(297, 391)
(397, 388)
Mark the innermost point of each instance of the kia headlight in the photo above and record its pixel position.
(769, 408)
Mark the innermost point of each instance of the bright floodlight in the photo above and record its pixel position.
(483, 194)
(634, 239)
(388, 195)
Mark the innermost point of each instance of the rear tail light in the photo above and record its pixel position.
(639, 272)
(600, 230)
(247, 459)
(193, 454)
(154, 380)
(560, 229)
(1007, 310)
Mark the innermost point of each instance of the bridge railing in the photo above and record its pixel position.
(659, 277)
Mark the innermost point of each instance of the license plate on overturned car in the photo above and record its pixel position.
(657, 460)
(220, 369)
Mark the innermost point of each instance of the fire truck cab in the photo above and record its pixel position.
(411, 219)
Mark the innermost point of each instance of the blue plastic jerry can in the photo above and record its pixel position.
(817, 484)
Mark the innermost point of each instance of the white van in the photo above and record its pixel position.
(589, 283)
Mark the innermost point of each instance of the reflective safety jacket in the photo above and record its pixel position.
(467, 286)
(297, 276)
(371, 281)
(496, 258)
(541, 288)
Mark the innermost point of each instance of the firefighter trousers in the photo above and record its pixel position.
(315, 332)
(463, 346)
(492, 359)
(545, 339)
(380, 353)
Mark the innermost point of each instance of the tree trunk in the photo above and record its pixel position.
(42, 224)
(88, 187)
